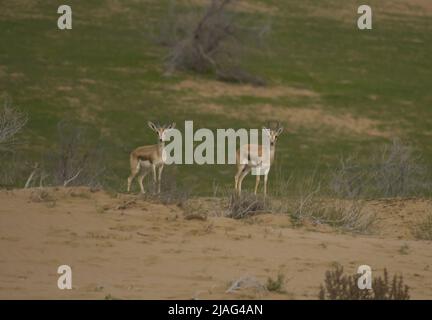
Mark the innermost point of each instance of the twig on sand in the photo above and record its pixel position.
(245, 282)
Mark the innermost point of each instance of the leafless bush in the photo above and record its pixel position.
(396, 170)
(246, 205)
(77, 160)
(10, 169)
(349, 216)
(400, 171)
(423, 230)
(309, 203)
(210, 42)
(350, 179)
(12, 121)
(338, 286)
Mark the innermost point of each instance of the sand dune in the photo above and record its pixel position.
(122, 247)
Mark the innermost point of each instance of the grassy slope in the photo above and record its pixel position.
(108, 72)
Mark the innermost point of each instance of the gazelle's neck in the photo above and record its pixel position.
(272, 152)
(161, 146)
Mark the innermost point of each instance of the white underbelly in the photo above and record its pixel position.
(145, 164)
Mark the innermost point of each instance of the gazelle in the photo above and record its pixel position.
(248, 157)
(146, 158)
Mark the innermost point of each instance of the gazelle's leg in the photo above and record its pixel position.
(140, 180)
(160, 177)
(257, 183)
(244, 173)
(154, 175)
(135, 167)
(237, 175)
(265, 184)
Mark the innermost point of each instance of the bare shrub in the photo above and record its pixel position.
(423, 230)
(350, 179)
(210, 42)
(400, 171)
(309, 203)
(348, 216)
(338, 286)
(306, 206)
(12, 122)
(12, 169)
(77, 160)
(246, 205)
(395, 170)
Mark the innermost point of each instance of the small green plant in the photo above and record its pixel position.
(276, 285)
(338, 286)
(404, 249)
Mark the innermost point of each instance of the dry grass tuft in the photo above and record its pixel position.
(423, 230)
(338, 286)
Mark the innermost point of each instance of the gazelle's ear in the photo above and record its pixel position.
(280, 130)
(171, 126)
(152, 126)
(266, 130)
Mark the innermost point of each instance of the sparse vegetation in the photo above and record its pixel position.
(276, 285)
(246, 205)
(12, 121)
(308, 202)
(338, 286)
(404, 249)
(77, 160)
(395, 171)
(423, 230)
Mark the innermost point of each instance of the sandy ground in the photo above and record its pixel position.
(145, 250)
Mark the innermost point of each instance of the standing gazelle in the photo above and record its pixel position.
(144, 158)
(248, 157)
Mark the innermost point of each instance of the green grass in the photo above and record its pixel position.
(108, 72)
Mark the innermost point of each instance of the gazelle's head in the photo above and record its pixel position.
(161, 130)
(273, 131)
